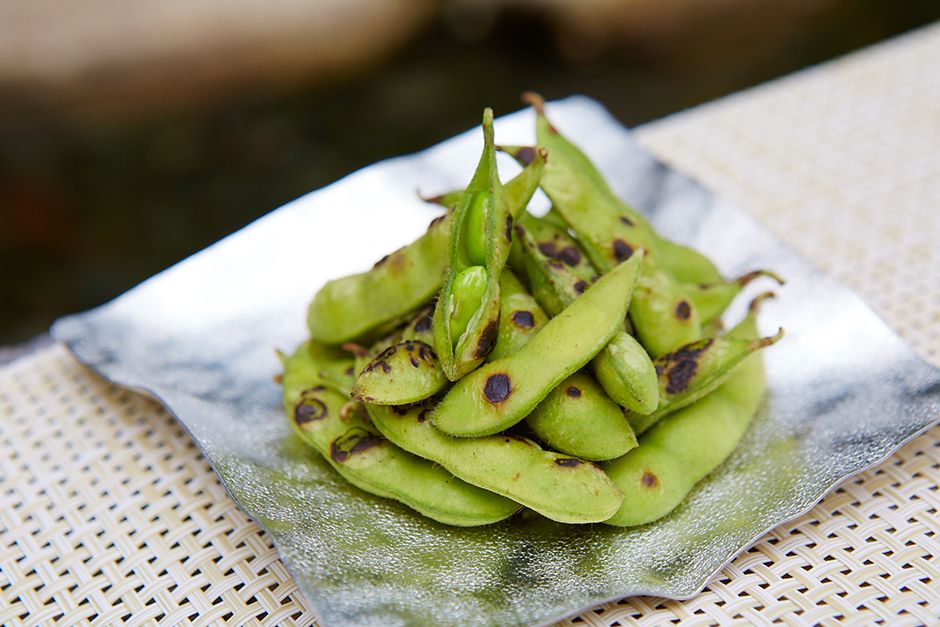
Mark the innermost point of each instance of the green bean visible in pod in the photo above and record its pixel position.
(571, 420)
(406, 370)
(560, 487)
(364, 306)
(694, 370)
(466, 319)
(623, 367)
(501, 393)
(343, 434)
(684, 447)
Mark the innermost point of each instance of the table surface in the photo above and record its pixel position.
(109, 513)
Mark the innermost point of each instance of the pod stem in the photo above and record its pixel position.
(355, 349)
(764, 342)
(744, 279)
(534, 100)
(758, 301)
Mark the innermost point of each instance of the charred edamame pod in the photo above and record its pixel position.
(520, 317)
(406, 370)
(683, 448)
(466, 319)
(571, 420)
(692, 371)
(341, 431)
(363, 306)
(557, 486)
(623, 367)
(501, 393)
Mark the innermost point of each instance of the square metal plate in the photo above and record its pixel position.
(844, 392)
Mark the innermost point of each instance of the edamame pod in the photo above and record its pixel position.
(363, 306)
(609, 231)
(466, 319)
(501, 393)
(406, 370)
(520, 317)
(686, 264)
(343, 434)
(576, 417)
(664, 318)
(689, 373)
(559, 487)
(683, 448)
(571, 420)
(623, 367)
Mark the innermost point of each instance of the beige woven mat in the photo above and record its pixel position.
(109, 513)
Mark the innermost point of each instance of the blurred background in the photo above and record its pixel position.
(133, 134)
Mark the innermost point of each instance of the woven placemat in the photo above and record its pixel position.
(109, 513)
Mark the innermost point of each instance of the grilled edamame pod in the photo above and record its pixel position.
(694, 370)
(610, 231)
(683, 448)
(342, 433)
(520, 317)
(362, 306)
(623, 367)
(466, 319)
(501, 393)
(577, 418)
(407, 370)
(557, 486)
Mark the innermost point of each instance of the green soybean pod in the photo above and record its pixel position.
(344, 436)
(683, 448)
(623, 367)
(559, 487)
(365, 305)
(466, 319)
(570, 420)
(576, 417)
(501, 393)
(520, 317)
(610, 231)
(689, 373)
(686, 264)
(362, 306)
(406, 370)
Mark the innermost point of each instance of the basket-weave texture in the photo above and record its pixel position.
(109, 513)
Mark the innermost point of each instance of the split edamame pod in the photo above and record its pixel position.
(466, 319)
(623, 367)
(571, 420)
(343, 434)
(683, 448)
(362, 306)
(559, 487)
(501, 393)
(694, 370)
(406, 370)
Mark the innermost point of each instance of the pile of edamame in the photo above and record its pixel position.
(573, 364)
